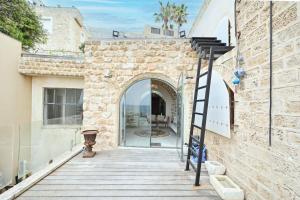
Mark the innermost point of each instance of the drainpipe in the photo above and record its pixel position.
(271, 58)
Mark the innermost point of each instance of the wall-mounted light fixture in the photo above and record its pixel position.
(107, 73)
(182, 34)
(116, 33)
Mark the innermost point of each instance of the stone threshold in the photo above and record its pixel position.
(21, 187)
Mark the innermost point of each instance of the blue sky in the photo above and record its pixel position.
(123, 15)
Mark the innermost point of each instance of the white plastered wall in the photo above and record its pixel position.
(49, 141)
(212, 20)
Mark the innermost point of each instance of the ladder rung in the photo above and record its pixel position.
(205, 73)
(193, 166)
(196, 113)
(202, 87)
(200, 100)
(197, 126)
(195, 139)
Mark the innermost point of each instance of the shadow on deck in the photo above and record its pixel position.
(135, 174)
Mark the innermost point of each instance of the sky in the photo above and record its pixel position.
(123, 15)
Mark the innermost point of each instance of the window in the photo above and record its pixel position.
(63, 106)
(231, 105)
(47, 24)
(155, 30)
(169, 32)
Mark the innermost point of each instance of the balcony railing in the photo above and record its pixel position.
(28, 148)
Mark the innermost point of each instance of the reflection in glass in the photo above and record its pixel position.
(137, 114)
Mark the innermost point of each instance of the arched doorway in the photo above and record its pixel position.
(158, 104)
(148, 115)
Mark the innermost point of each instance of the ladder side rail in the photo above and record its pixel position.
(193, 115)
(203, 127)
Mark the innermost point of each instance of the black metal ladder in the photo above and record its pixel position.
(207, 48)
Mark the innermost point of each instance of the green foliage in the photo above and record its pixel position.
(18, 20)
(171, 13)
(164, 15)
(180, 15)
(82, 47)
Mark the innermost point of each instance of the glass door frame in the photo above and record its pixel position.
(122, 116)
(123, 139)
(180, 117)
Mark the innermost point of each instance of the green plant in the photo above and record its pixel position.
(164, 15)
(179, 15)
(81, 47)
(19, 20)
(171, 13)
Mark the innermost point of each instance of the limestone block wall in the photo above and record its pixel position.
(67, 29)
(128, 61)
(264, 172)
(37, 65)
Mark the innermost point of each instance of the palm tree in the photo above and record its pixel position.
(179, 15)
(164, 15)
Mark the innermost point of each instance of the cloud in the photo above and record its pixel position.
(115, 9)
(123, 15)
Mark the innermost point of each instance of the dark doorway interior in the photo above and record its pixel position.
(158, 105)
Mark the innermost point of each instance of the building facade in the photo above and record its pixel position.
(64, 27)
(109, 69)
(265, 168)
(263, 171)
(91, 92)
(156, 32)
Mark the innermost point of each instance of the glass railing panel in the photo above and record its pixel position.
(30, 147)
(7, 135)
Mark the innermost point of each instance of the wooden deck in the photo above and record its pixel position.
(123, 174)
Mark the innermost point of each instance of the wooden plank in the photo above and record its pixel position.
(116, 177)
(120, 170)
(120, 173)
(115, 164)
(123, 174)
(119, 193)
(121, 198)
(95, 182)
(115, 186)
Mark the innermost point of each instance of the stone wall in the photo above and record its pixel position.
(67, 29)
(263, 171)
(37, 65)
(128, 61)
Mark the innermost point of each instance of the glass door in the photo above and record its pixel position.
(122, 121)
(179, 140)
(137, 114)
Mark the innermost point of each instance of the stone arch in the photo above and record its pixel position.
(123, 88)
(158, 76)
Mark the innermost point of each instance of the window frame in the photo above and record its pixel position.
(63, 104)
(47, 23)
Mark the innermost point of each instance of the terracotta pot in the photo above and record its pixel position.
(89, 142)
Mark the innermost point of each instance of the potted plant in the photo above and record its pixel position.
(89, 141)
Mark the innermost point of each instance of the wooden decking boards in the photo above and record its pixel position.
(123, 174)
